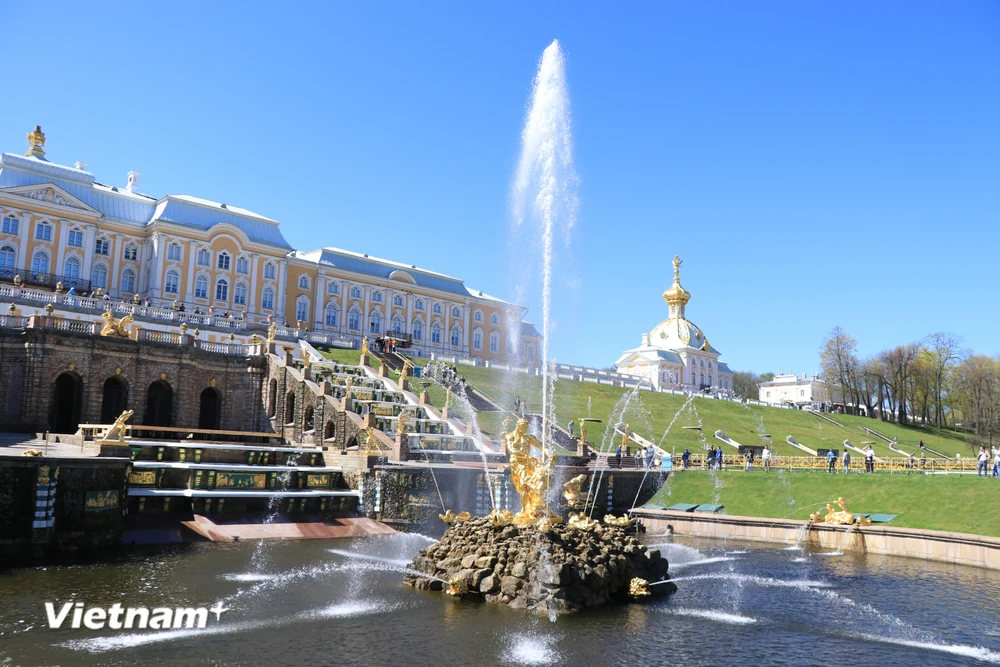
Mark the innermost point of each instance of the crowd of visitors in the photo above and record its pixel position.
(989, 462)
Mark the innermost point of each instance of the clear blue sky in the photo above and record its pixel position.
(814, 164)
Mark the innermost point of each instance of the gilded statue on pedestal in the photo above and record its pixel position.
(529, 472)
(113, 327)
(119, 428)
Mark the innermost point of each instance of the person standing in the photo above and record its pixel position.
(749, 461)
(983, 457)
(618, 456)
(831, 460)
(686, 458)
(766, 458)
(718, 459)
(996, 464)
(869, 459)
(847, 461)
(710, 459)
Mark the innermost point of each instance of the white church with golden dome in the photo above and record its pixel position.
(676, 354)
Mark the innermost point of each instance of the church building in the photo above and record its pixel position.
(676, 354)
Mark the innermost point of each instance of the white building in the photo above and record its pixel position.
(798, 390)
(676, 353)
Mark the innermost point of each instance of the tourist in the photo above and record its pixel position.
(921, 444)
(72, 291)
(869, 459)
(923, 460)
(145, 302)
(649, 457)
(766, 458)
(718, 459)
(983, 458)
(831, 459)
(618, 457)
(847, 461)
(106, 297)
(181, 308)
(748, 466)
(686, 458)
(571, 427)
(996, 463)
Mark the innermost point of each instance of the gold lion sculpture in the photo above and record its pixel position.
(113, 327)
(841, 517)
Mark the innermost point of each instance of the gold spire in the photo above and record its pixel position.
(36, 140)
(677, 295)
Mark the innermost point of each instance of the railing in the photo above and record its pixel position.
(154, 336)
(74, 326)
(896, 465)
(46, 279)
(222, 348)
(13, 322)
(399, 335)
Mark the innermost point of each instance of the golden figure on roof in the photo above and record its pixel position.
(36, 140)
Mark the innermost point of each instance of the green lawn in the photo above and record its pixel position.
(650, 413)
(960, 503)
(347, 357)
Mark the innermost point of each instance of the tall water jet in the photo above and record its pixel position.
(543, 193)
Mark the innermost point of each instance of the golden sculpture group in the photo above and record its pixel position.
(843, 517)
(113, 327)
(530, 474)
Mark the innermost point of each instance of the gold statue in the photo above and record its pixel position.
(371, 442)
(583, 430)
(618, 521)
(364, 346)
(450, 517)
(843, 517)
(447, 402)
(113, 327)
(530, 473)
(581, 522)
(677, 268)
(625, 437)
(638, 588)
(500, 519)
(573, 492)
(119, 428)
(406, 370)
(36, 140)
(457, 585)
(272, 331)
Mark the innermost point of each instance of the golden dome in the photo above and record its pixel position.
(677, 295)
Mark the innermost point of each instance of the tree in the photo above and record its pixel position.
(746, 384)
(839, 366)
(977, 393)
(943, 353)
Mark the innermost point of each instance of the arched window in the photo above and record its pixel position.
(437, 308)
(204, 258)
(7, 256)
(477, 339)
(172, 283)
(222, 290)
(494, 319)
(531, 353)
(418, 330)
(397, 323)
(242, 265)
(224, 261)
(131, 252)
(201, 288)
(102, 247)
(456, 336)
(397, 300)
(174, 252)
(40, 263)
(494, 342)
(419, 304)
(128, 281)
(302, 309)
(269, 270)
(375, 326)
(99, 276)
(478, 316)
(267, 299)
(331, 315)
(377, 297)
(354, 319)
(240, 294)
(436, 333)
(332, 288)
(72, 268)
(355, 292)
(303, 281)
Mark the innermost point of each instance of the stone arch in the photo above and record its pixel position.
(114, 399)
(67, 403)
(272, 397)
(290, 407)
(209, 409)
(330, 431)
(308, 420)
(159, 404)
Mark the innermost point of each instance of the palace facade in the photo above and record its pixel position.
(676, 354)
(59, 225)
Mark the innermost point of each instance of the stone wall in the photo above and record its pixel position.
(31, 360)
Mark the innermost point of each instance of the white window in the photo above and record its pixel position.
(355, 293)
(172, 284)
(436, 333)
(201, 288)
(332, 288)
(456, 336)
(302, 310)
(768, 395)
(204, 258)
(303, 281)
(494, 319)
(456, 312)
(477, 339)
(102, 247)
(397, 323)
(494, 342)
(419, 304)
(331, 315)
(242, 265)
(397, 300)
(99, 276)
(9, 226)
(174, 251)
(377, 297)
(802, 392)
(128, 281)
(269, 270)
(131, 252)
(477, 316)
(72, 269)
(224, 261)
(267, 299)
(240, 295)
(375, 326)
(437, 308)
(75, 238)
(43, 232)
(7, 256)
(222, 290)
(354, 319)
(40, 263)
(418, 330)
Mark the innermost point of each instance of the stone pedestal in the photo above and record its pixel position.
(383, 371)
(424, 399)
(582, 449)
(401, 451)
(365, 360)
(369, 420)
(404, 384)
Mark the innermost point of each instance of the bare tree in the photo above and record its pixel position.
(944, 352)
(745, 385)
(839, 365)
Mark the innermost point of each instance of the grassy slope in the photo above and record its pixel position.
(347, 357)
(650, 415)
(960, 503)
